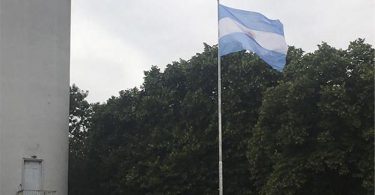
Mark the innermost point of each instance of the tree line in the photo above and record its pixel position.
(306, 130)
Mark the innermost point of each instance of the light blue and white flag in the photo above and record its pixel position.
(246, 30)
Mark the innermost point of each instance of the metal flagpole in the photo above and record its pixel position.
(219, 107)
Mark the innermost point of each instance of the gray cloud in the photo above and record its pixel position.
(114, 41)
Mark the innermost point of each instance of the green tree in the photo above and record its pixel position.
(80, 112)
(307, 130)
(315, 132)
(162, 138)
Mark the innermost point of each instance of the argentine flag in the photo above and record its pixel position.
(245, 30)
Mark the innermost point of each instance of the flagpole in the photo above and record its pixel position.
(219, 107)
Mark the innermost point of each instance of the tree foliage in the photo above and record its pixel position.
(80, 113)
(315, 130)
(307, 130)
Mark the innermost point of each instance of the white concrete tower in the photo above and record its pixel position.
(34, 96)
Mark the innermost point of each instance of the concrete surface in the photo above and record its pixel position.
(34, 91)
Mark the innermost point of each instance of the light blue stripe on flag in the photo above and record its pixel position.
(245, 30)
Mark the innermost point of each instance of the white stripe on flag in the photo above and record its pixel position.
(268, 40)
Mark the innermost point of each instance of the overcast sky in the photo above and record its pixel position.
(114, 41)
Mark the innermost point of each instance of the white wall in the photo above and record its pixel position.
(34, 90)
